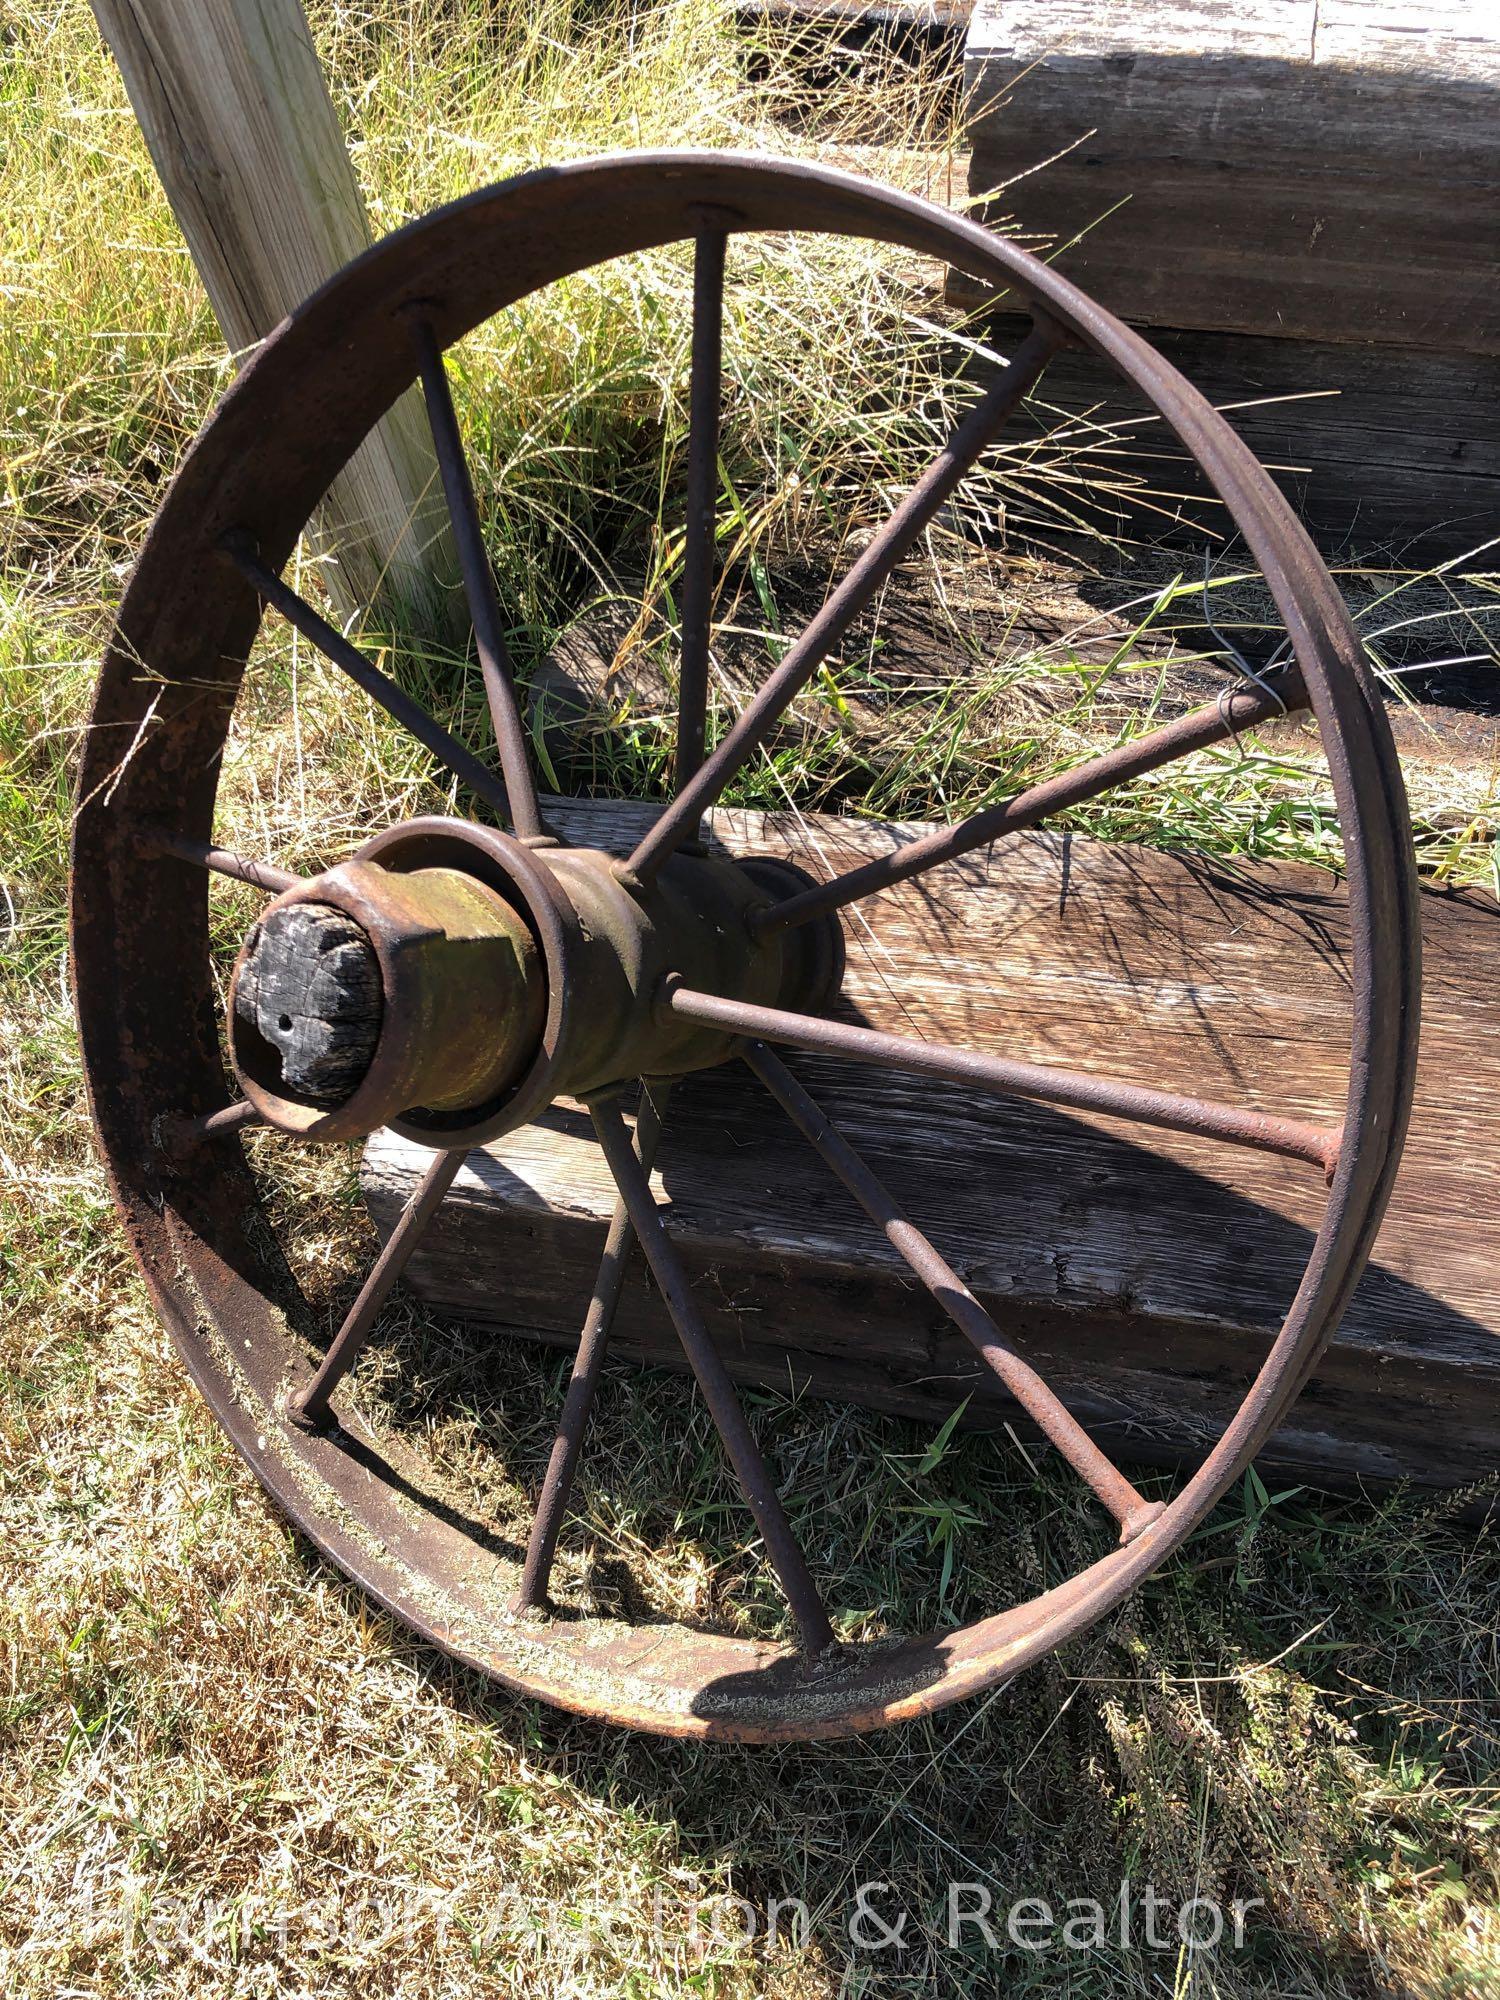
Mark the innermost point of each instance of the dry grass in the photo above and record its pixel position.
(224, 1772)
(220, 1770)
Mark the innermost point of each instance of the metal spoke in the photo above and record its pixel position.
(1130, 1508)
(750, 1467)
(479, 586)
(557, 1484)
(1007, 1077)
(1240, 708)
(219, 860)
(702, 490)
(364, 673)
(181, 1135)
(864, 578)
(310, 1406)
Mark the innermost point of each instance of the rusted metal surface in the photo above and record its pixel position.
(615, 943)
(240, 548)
(608, 944)
(1044, 1082)
(745, 1455)
(311, 1405)
(456, 919)
(823, 631)
(1238, 709)
(583, 1383)
(479, 585)
(464, 997)
(219, 860)
(179, 1136)
(702, 496)
(1131, 1509)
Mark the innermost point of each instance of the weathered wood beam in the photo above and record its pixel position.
(1315, 168)
(1296, 198)
(245, 137)
(1143, 1272)
(1377, 447)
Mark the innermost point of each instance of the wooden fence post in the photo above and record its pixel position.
(236, 113)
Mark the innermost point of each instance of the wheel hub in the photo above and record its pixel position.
(450, 979)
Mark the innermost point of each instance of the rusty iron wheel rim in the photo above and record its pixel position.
(157, 1087)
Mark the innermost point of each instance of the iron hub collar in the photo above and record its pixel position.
(510, 975)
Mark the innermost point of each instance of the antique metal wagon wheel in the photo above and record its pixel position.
(508, 969)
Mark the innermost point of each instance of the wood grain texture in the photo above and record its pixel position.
(310, 988)
(1376, 447)
(247, 143)
(1143, 1272)
(1314, 168)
